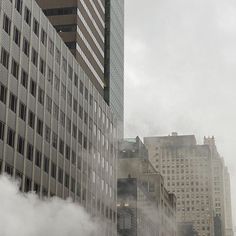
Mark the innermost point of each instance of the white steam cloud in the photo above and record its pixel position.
(26, 215)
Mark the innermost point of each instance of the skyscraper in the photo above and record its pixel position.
(57, 133)
(94, 32)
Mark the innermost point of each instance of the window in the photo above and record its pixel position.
(3, 93)
(7, 24)
(34, 57)
(33, 88)
(70, 72)
(2, 131)
(86, 94)
(67, 180)
(80, 112)
(11, 137)
(26, 47)
(40, 127)
(36, 27)
(81, 87)
(63, 91)
(27, 16)
(42, 66)
(18, 5)
(55, 111)
(67, 152)
(58, 56)
(76, 80)
(75, 105)
(53, 170)
(60, 11)
(13, 102)
(30, 152)
(46, 164)
(24, 78)
(15, 69)
(38, 158)
(22, 111)
(31, 119)
(41, 96)
(49, 104)
(61, 146)
(5, 58)
(16, 36)
(64, 64)
(47, 134)
(68, 125)
(62, 118)
(57, 83)
(69, 98)
(74, 131)
(50, 75)
(54, 140)
(21, 145)
(43, 37)
(51, 47)
(60, 175)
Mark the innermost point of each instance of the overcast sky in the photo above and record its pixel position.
(180, 72)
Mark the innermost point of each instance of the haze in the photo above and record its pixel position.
(180, 72)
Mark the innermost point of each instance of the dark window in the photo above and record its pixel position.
(40, 127)
(67, 152)
(40, 96)
(64, 64)
(50, 75)
(11, 137)
(33, 88)
(55, 111)
(13, 102)
(75, 105)
(46, 164)
(65, 28)
(81, 87)
(69, 98)
(76, 80)
(28, 184)
(80, 112)
(5, 58)
(16, 36)
(49, 104)
(27, 16)
(31, 119)
(60, 175)
(53, 170)
(58, 56)
(15, 69)
(54, 140)
(61, 146)
(68, 125)
(60, 11)
(26, 47)
(47, 134)
(86, 94)
(42, 66)
(3, 93)
(51, 47)
(7, 24)
(38, 158)
(34, 57)
(70, 72)
(72, 188)
(21, 145)
(24, 78)
(36, 27)
(74, 131)
(73, 158)
(43, 37)
(2, 130)
(80, 138)
(22, 111)
(62, 118)
(67, 180)
(30, 152)
(18, 5)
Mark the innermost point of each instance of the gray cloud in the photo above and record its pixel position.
(180, 70)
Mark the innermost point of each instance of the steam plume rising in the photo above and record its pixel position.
(27, 215)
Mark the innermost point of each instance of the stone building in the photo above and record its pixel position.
(144, 205)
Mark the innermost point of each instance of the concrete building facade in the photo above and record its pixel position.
(57, 133)
(185, 167)
(94, 32)
(144, 205)
(199, 178)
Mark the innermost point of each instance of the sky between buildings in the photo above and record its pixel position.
(180, 72)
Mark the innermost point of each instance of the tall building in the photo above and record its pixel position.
(57, 133)
(199, 178)
(144, 205)
(94, 32)
(185, 167)
(221, 191)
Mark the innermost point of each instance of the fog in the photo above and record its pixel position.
(27, 215)
(180, 70)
